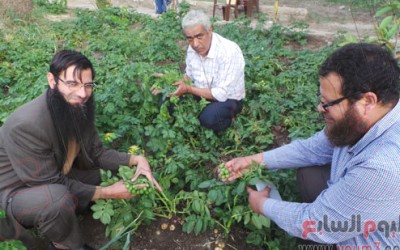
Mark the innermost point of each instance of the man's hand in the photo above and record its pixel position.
(236, 166)
(239, 165)
(257, 199)
(182, 88)
(143, 168)
(117, 190)
(154, 90)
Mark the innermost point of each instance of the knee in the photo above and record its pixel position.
(62, 201)
(59, 213)
(214, 122)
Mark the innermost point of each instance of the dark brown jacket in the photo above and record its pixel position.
(30, 156)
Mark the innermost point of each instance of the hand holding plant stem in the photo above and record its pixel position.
(257, 199)
(117, 190)
(141, 186)
(182, 88)
(239, 165)
(143, 168)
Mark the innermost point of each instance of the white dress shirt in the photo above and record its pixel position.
(222, 70)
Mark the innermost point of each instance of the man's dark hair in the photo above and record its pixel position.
(365, 68)
(66, 58)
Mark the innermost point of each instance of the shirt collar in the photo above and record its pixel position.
(212, 53)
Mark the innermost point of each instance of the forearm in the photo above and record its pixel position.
(314, 151)
(99, 194)
(257, 158)
(105, 193)
(116, 191)
(111, 192)
(200, 92)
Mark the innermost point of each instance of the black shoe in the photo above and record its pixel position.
(84, 247)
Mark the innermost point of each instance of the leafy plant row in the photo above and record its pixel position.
(127, 49)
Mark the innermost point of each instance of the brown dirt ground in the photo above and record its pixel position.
(325, 20)
(153, 237)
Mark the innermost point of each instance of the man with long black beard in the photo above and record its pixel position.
(50, 156)
(357, 204)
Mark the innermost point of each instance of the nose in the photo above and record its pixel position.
(82, 92)
(195, 43)
(320, 108)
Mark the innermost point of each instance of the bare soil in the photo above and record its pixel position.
(325, 20)
(154, 237)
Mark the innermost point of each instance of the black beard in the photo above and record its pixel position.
(347, 131)
(70, 121)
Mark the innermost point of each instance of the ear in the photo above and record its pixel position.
(210, 29)
(51, 81)
(369, 101)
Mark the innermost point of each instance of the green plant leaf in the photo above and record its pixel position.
(394, 30)
(241, 188)
(255, 219)
(254, 180)
(199, 226)
(237, 212)
(188, 226)
(198, 206)
(385, 22)
(254, 238)
(105, 218)
(247, 218)
(97, 215)
(205, 184)
(383, 11)
(265, 221)
(212, 195)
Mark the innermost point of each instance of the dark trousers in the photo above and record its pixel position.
(218, 116)
(312, 181)
(51, 208)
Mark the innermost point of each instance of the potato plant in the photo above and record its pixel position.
(127, 49)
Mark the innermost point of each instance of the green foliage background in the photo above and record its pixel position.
(127, 48)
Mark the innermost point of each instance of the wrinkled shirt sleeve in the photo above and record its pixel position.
(314, 151)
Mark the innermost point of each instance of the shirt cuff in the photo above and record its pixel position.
(268, 207)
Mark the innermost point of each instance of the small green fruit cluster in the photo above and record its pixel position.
(223, 171)
(135, 190)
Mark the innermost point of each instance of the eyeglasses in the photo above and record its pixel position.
(73, 85)
(337, 101)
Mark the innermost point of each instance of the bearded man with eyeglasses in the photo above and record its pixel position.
(50, 159)
(354, 203)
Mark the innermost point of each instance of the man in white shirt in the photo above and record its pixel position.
(216, 67)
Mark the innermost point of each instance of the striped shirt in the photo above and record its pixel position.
(361, 206)
(222, 70)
